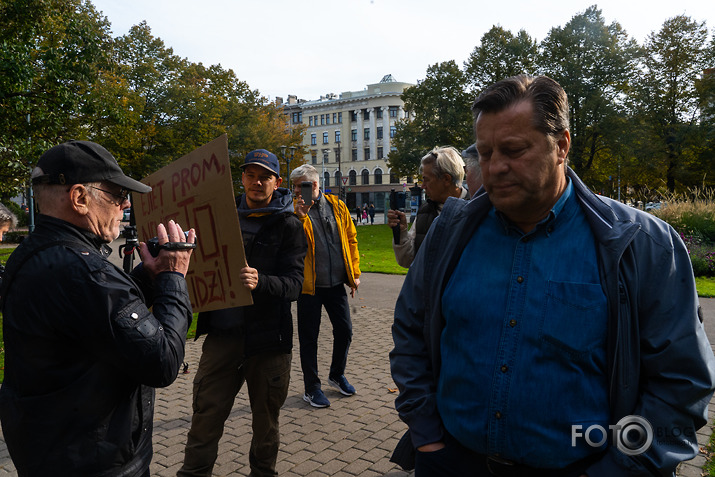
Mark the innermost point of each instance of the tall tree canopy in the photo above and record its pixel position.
(62, 76)
(594, 63)
(500, 55)
(440, 115)
(667, 99)
(51, 53)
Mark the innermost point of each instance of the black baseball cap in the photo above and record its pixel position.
(80, 162)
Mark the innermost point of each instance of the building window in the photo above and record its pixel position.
(325, 137)
(393, 178)
(380, 153)
(378, 176)
(393, 130)
(326, 178)
(354, 134)
(338, 178)
(326, 158)
(314, 158)
(367, 153)
(322, 119)
(327, 118)
(335, 118)
(340, 118)
(367, 134)
(337, 136)
(354, 155)
(313, 139)
(310, 121)
(379, 132)
(297, 117)
(365, 177)
(378, 112)
(352, 178)
(353, 116)
(393, 111)
(365, 114)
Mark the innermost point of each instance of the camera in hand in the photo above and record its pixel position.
(155, 248)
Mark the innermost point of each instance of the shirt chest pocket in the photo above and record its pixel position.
(574, 319)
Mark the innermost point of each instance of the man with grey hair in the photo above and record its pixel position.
(332, 262)
(86, 343)
(472, 171)
(442, 171)
(7, 220)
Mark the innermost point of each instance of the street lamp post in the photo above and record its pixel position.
(288, 158)
(341, 189)
(325, 157)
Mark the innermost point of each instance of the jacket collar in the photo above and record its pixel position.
(58, 229)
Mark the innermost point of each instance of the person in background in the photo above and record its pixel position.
(442, 171)
(333, 261)
(8, 221)
(85, 343)
(371, 213)
(251, 344)
(472, 171)
(539, 316)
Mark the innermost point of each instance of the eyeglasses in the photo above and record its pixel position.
(121, 197)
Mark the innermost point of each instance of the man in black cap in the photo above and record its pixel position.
(251, 344)
(83, 351)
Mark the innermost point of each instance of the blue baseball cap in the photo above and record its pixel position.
(265, 159)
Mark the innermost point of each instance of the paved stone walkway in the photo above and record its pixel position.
(353, 437)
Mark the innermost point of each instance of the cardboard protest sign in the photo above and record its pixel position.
(196, 191)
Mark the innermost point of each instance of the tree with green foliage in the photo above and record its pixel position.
(667, 100)
(440, 115)
(500, 55)
(50, 52)
(594, 63)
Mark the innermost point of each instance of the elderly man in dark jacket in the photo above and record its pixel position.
(83, 351)
(251, 344)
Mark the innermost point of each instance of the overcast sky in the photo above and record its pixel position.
(311, 48)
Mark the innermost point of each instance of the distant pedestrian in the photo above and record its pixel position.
(371, 212)
(364, 214)
(358, 215)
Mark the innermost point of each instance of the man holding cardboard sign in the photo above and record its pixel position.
(251, 344)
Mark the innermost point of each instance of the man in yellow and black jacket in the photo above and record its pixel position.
(331, 263)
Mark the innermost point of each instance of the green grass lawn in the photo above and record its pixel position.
(375, 246)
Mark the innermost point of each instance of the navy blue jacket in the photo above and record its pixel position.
(661, 366)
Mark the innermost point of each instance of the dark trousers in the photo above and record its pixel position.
(335, 301)
(455, 460)
(221, 374)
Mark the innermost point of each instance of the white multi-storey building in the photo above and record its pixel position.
(348, 138)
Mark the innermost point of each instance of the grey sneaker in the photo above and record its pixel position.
(342, 385)
(316, 399)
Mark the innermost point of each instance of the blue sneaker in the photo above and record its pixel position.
(342, 385)
(316, 399)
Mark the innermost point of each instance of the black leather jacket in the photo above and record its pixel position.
(83, 353)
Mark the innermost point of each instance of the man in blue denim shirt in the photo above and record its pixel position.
(542, 330)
